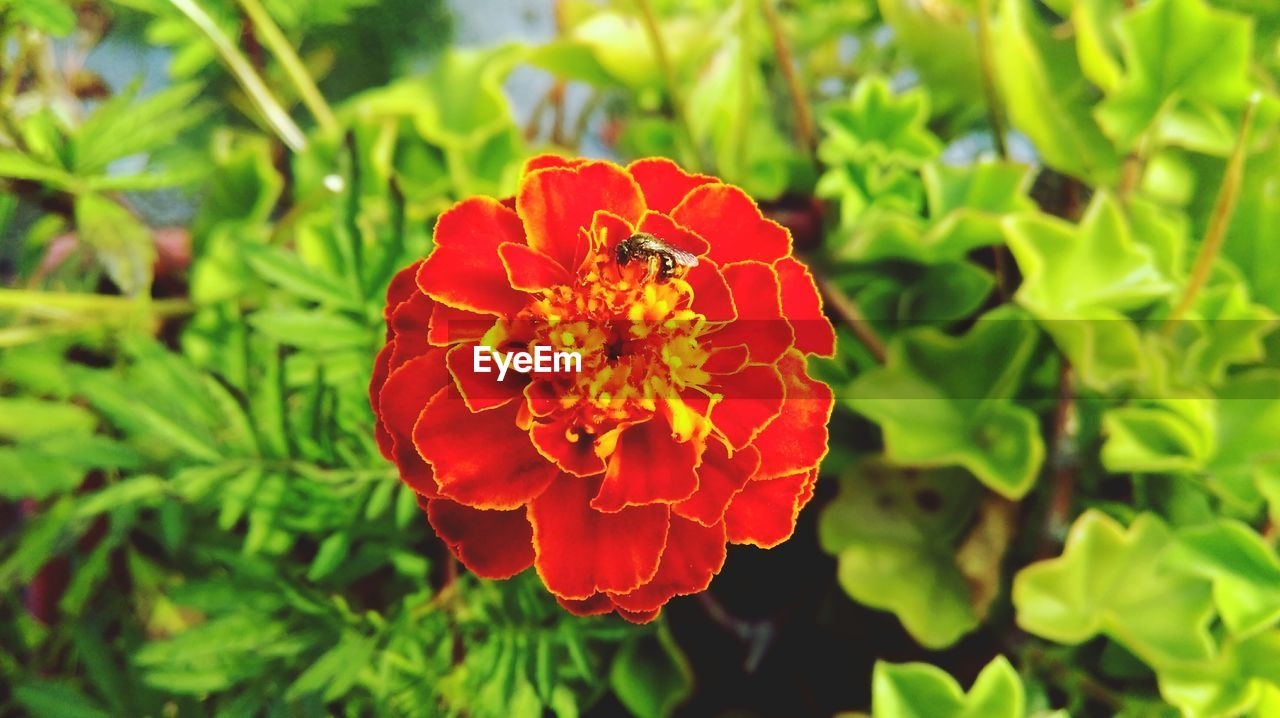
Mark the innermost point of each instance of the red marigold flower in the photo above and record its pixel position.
(691, 423)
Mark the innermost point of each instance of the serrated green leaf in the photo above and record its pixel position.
(941, 401)
(919, 690)
(894, 534)
(121, 242)
(1111, 581)
(1243, 567)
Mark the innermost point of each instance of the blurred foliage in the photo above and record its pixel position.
(1046, 224)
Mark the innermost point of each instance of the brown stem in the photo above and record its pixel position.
(987, 61)
(851, 313)
(806, 134)
(669, 77)
(1058, 513)
(1220, 221)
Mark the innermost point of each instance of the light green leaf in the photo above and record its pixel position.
(1243, 567)
(1168, 435)
(1079, 280)
(919, 690)
(1048, 98)
(122, 243)
(894, 534)
(942, 401)
(1176, 50)
(1111, 581)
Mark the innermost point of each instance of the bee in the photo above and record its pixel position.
(664, 260)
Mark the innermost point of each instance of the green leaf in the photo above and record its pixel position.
(876, 124)
(288, 271)
(56, 699)
(122, 243)
(1157, 436)
(1080, 280)
(16, 165)
(1243, 567)
(1229, 684)
(25, 419)
(1248, 419)
(919, 690)
(941, 401)
(123, 126)
(1048, 98)
(55, 17)
(650, 675)
(312, 330)
(1111, 581)
(1176, 51)
(894, 534)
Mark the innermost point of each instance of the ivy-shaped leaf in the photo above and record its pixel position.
(964, 207)
(1182, 55)
(1238, 679)
(1079, 280)
(1243, 567)
(1159, 435)
(1248, 422)
(1047, 97)
(943, 401)
(920, 690)
(1111, 581)
(894, 534)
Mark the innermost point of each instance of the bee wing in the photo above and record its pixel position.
(682, 257)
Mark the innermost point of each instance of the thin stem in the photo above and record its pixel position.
(1058, 512)
(986, 58)
(1220, 221)
(848, 309)
(271, 110)
(805, 131)
(669, 76)
(280, 46)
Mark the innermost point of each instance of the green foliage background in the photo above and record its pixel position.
(1045, 228)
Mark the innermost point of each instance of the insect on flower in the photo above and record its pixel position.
(663, 259)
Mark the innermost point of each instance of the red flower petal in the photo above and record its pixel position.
(464, 270)
(726, 360)
(802, 305)
(648, 466)
(664, 228)
(557, 203)
(760, 325)
(610, 229)
(752, 398)
(482, 460)
(664, 183)
(694, 554)
(403, 396)
(581, 551)
(711, 296)
(639, 617)
(449, 325)
(575, 456)
(594, 606)
(764, 513)
(719, 478)
(543, 161)
(530, 270)
(730, 220)
(481, 391)
(796, 441)
(409, 326)
(381, 368)
(491, 544)
(402, 285)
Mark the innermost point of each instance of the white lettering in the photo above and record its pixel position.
(541, 359)
(522, 363)
(503, 365)
(572, 362)
(480, 355)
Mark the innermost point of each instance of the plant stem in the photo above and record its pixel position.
(271, 110)
(805, 131)
(669, 77)
(986, 58)
(848, 309)
(1220, 221)
(280, 46)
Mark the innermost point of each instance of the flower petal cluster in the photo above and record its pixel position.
(691, 423)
